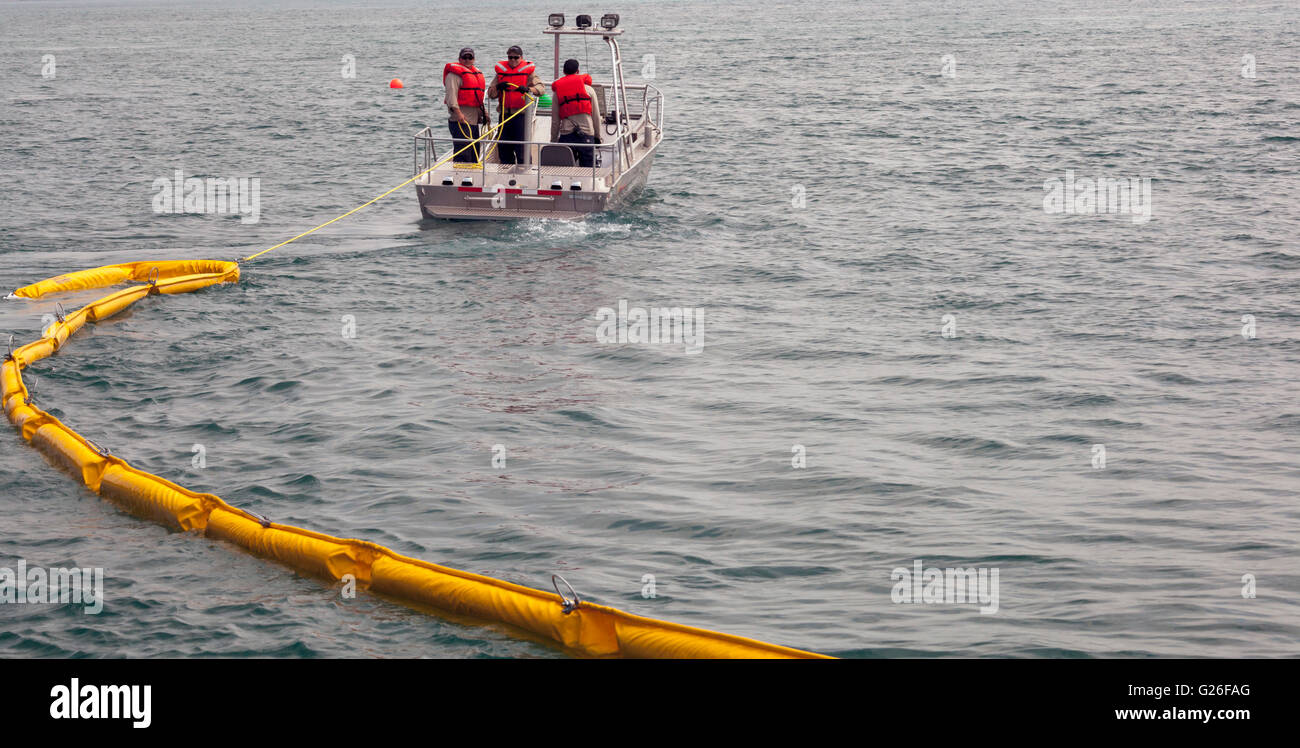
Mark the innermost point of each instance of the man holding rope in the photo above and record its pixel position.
(468, 115)
(515, 77)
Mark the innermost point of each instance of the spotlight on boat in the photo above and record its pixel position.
(584, 22)
(555, 20)
(609, 21)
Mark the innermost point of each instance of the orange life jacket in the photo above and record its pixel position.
(472, 84)
(511, 98)
(573, 94)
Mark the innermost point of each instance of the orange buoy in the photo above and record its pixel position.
(395, 83)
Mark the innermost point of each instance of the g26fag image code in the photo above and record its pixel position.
(1180, 689)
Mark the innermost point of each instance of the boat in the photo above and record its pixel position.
(550, 184)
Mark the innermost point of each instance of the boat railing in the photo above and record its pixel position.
(649, 105)
(606, 160)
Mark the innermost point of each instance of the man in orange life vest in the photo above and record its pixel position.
(466, 89)
(579, 111)
(515, 76)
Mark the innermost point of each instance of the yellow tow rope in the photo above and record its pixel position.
(489, 132)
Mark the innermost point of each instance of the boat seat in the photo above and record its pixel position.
(557, 155)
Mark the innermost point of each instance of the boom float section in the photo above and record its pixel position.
(587, 629)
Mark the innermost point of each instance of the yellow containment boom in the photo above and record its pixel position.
(579, 626)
